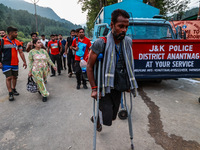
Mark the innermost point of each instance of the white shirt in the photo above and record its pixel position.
(44, 42)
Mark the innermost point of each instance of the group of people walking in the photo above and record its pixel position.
(43, 54)
(117, 65)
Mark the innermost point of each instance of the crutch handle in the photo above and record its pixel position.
(100, 56)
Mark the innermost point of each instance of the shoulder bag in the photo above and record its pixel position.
(31, 85)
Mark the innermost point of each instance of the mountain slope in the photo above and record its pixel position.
(42, 11)
(25, 22)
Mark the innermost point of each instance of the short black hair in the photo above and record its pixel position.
(77, 30)
(10, 29)
(119, 12)
(60, 34)
(55, 34)
(33, 34)
(72, 31)
(35, 41)
(42, 35)
(52, 35)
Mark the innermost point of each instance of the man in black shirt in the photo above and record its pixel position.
(70, 53)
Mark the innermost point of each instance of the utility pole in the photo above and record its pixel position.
(198, 17)
(35, 2)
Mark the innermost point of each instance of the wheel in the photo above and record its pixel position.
(199, 99)
(122, 114)
(158, 81)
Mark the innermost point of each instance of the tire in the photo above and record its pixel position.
(158, 81)
(199, 99)
(123, 114)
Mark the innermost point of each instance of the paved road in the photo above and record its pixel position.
(165, 116)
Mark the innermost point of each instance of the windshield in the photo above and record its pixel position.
(149, 31)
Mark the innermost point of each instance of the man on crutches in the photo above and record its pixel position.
(117, 71)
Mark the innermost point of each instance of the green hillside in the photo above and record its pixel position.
(42, 11)
(25, 22)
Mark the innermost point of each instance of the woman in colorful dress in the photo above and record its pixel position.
(38, 67)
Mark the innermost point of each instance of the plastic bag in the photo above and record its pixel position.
(83, 63)
(81, 49)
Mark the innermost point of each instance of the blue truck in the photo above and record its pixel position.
(159, 52)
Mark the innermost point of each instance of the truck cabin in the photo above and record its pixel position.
(142, 28)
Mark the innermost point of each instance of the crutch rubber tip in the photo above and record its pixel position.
(123, 114)
(132, 147)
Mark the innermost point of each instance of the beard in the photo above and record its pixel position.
(119, 36)
(82, 36)
(2, 36)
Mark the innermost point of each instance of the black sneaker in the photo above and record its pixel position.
(52, 75)
(15, 92)
(70, 75)
(44, 99)
(11, 97)
(78, 87)
(85, 87)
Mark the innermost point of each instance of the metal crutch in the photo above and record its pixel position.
(97, 109)
(129, 119)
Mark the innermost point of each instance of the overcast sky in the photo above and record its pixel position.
(67, 9)
(71, 10)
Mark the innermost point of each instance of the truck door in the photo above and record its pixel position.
(99, 31)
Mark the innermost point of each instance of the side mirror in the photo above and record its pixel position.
(179, 32)
(105, 32)
(184, 35)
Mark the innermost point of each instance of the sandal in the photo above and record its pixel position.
(99, 126)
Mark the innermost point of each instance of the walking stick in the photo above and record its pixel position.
(97, 109)
(129, 111)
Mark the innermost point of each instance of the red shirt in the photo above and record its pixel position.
(87, 42)
(54, 47)
(10, 56)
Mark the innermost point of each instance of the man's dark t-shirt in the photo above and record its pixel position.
(69, 43)
(99, 47)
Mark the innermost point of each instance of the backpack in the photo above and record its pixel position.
(1, 47)
(63, 47)
(76, 40)
(58, 44)
(105, 41)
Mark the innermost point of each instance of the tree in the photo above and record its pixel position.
(166, 6)
(21, 34)
(169, 6)
(93, 7)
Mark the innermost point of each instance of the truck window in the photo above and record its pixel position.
(150, 31)
(100, 31)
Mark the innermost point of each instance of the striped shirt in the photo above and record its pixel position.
(9, 51)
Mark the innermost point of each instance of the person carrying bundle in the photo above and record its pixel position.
(80, 45)
(117, 68)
